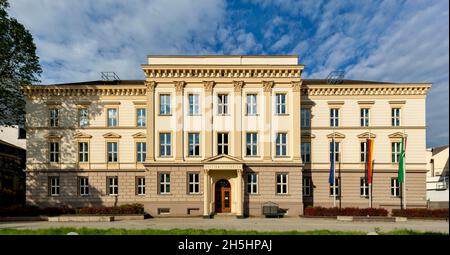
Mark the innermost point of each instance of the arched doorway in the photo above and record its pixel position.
(223, 196)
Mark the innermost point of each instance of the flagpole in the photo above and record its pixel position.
(404, 171)
(334, 167)
(368, 174)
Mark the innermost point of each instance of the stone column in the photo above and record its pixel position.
(296, 86)
(206, 194)
(208, 85)
(240, 202)
(268, 85)
(238, 118)
(150, 156)
(179, 88)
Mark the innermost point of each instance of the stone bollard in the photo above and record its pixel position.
(72, 234)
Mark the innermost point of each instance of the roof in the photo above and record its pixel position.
(439, 149)
(344, 82)
(11, 145)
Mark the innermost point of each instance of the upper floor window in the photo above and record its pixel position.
(83, 117)
(363, 149)
(112, 117)
(54, 118)
(305, 118)
(252, 144)
(141, 117)
(194, 104)
(282, 183)
(281, 144)
(112, 151)
(194, 183)
(164, 104)
(83, 152)
(222, 143)
(280, 103)
(395, 152)
(336, 148)
(364, 117)
(222, 104)
(334, 117)
(252, 183)
(54, 152)
(305, 150)
(194, 144)
(251, 104)
(165, 145)
(141, 151)
(395, 116)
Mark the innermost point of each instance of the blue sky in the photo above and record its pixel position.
(390, 40)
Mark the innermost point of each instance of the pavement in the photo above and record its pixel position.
(251, 224)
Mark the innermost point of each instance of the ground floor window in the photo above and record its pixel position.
(54, 186)
(140, 185)
(395, 187)
(364, 187)
(164, 183)
(282, 183)
(306, 186)
(194, 183)
(337, 185)
(113, 186)
(83, 183)
(252, 183)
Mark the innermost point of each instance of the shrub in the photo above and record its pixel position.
(348, 211)
(123, 209)
(421, 213)
(31, 210)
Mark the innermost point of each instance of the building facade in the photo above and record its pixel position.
(223, 134)
(437, 177)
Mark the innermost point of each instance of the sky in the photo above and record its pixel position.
(390, 40)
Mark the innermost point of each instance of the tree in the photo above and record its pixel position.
(19, 65)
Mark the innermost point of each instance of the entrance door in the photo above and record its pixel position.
(223, 196)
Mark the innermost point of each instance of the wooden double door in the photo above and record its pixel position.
(223, 196)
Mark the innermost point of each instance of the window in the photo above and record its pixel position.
(165, 145)
(222, 104)
(395, 114)
(281, 144)
(395, 152)
(141, 117)
(306, 186)
(251, 104)
(140, 186)
(252, 183)
(194, 183)
(282, 183)
(252, 144)
(336, 151)
(113, 186)
(22, 132)
(54, 152)
(222, 143)
(112, 117)
(364, 117)
(364, 187)
(83, 183)
(194, 104)
(164, 183)
(305, 150)
(305, 118)
(83, 152)
(83, 117)
(280, 103)
(164, 104)
(334, 117)
(112, 152)
(54, 118)
(363, 149)
(194, 144)
(54, 186)
(337, 185)
(395, 187)
(141, 151)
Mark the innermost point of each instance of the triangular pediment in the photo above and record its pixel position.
(366, 135)
(81, 135)
(336, 135)
(397, 135)
(139, 135)
(222, 159)
(307, 134)
(111, 135)
(53, 136)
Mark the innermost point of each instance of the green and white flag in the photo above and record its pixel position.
(401, 162)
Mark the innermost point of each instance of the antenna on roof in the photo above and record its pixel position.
(335, 77)
(109, 76)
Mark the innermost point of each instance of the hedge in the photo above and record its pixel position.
(123, 209)
(421, 213)
(348, 211)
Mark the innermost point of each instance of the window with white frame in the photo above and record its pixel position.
(395, 148)
(334, 117)
(54, 185)
(193, 144)
(252, 144)
(252, 183)
(83, 117)
(164, 183)
(280, 103)
(83, 152)
(305, 150)
(305, 118)
(222, 143)
(336, 151)
(252, 104)
(194, 104)
(141, 151)
(140, 186)
(281, 144)
(112, 117)
(363, 152)
(164, 104)
(194, 183)
(364, 187)
(141, 117)
(306, 186)
(112, 151)
(113, 185)
(364, 117)
(54, 151)
(395, 117)
(222, 105)
(54, 117)
(83, 183)
(165, 145)
(395, 187)
(282, 183)
(337, 185)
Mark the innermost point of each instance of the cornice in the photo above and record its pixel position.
(80, 91)
(359, 90)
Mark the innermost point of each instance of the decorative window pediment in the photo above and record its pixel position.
(307, 134)
(366, 135)
(81, 135)
(53, 136)
(397, 135)
(336, 135)
(139, 135)
(111, 135)
(223, 158)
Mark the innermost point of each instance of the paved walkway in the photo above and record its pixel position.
(257, 224)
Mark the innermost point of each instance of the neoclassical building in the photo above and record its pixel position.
(203, 135)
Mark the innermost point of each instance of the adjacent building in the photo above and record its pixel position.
(437, 177)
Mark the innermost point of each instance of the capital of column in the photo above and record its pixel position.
(267, 85)
(179, 86)
(238, 86)
(150, 85)
(296, 86)
(208, 85)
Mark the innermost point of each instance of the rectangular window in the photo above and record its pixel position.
(83, 183)
(251, 104)
(395, 115)
(54, 152)
(395, 187)
(165, 145)
(281, 144)
(334, 117)
(164, 183)
(164, 104)
(305, 118)
(252, 144)
(395, 152)
(112, 152)
(222, 104)
(363, 150)
(337, 185)
(140, 186)
(222, 143)
(113, 185)
(112, 117)
(336, 151)
(83, 117)
(252, 183)
(280, 103)
(306, 186)
(54, 118)
(194, 104)
(194, 183)
(194, 144)
(141, 151)
(282, 183)
(54, 185)
(364, 187)
(141, 117)
(364, 117)
(83, 152)
(305, 150)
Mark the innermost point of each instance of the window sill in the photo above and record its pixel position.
(252, 156)
(283, 195)
(282, 157)
(223, 115)
(194, 115)
(252, 115)
(111, 195)
(195, 194)
(162, 115)
(281, 114)
(165, 194)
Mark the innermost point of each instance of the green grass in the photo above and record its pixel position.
(116, 231)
